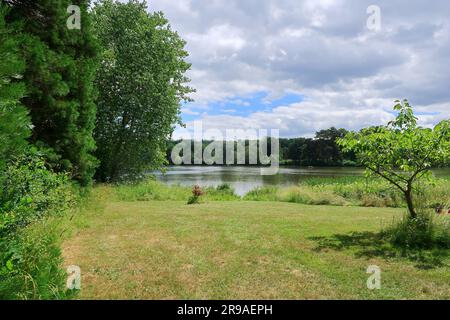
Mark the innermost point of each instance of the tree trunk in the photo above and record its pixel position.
(409, 202)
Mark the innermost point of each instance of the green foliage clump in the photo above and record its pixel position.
(59, 70)
(223, 192)
(15, 125)
(30, 263)
(356, 191)
(266, 193)
(29, 192)
(196, 194)
(401, 152)
(30, 258)
(426, 231)
(141, 83)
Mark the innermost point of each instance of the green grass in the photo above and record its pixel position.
(354, 191)
(154, 190)
(339, 191)
(241, 250)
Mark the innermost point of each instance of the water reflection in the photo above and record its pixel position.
(245, 178)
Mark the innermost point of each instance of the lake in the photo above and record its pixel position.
(246, 178)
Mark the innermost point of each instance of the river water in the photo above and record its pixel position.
(246, 178)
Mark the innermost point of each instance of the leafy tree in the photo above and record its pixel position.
(401, 152)
(141, 83)
(14, 120)
(59, 74)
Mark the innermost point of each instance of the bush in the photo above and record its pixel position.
(30, 192)
(30, 257)
(423, 232)
(225, 187)
(31, 263)
(196, 194)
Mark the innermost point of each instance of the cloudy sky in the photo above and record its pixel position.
(305, 65)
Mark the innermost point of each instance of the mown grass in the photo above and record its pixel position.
(241, 250)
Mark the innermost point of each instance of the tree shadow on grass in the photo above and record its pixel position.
(370, 245)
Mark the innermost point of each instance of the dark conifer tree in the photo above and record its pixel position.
(14, 120)
(59, 73)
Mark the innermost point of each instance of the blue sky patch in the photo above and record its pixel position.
(242, 105)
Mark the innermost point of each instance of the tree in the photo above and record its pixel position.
(401, 152)
(59, 74)
(141, 83)
(15, 126)
(327, 150)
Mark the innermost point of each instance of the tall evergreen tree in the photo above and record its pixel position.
(60, 68)
(14, 120)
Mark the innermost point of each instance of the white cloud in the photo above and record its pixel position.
(348, 75)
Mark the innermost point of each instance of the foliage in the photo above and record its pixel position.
(60, 66)
(425, 231)
(196, 194)
(30, 257)
(225, 187)
(29, 191)
(154, 190)
(266, 193)
(141, 83)
(355, 191)
(401, 152)
(14, 121)
(322, 150)
(30, 263)
(312, 196)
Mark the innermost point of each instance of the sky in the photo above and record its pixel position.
(305, 65)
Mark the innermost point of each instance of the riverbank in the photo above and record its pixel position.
(337, 191)
(240, 250)
(244, 179)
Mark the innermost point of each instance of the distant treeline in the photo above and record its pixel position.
(321, 150)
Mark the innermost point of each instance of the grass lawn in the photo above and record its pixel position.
(241, 250)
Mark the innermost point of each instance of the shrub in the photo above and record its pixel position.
(30, 257)
(31, 263)
(225, 187)
(196, 194)
(30, 192)
(423, 232)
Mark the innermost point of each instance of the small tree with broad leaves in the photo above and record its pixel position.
(401, 152)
